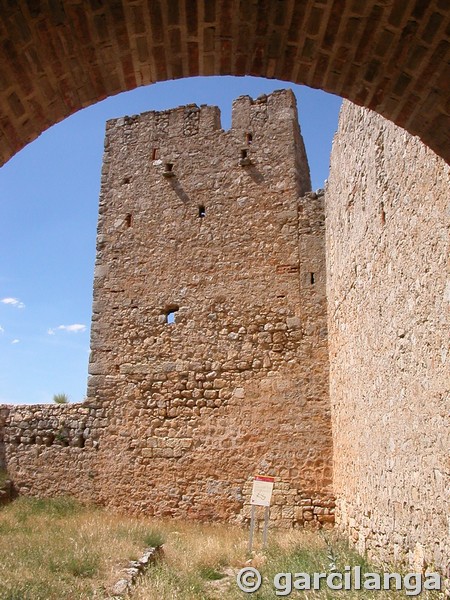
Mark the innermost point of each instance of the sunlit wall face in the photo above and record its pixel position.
(48, 208)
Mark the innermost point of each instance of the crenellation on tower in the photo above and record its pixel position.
(211, 359)
(198, 306)
(263, 123)
(208, 341)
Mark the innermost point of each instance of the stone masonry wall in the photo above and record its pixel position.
(4, 413)
(238, 384)
(387, 215)
(51, 450)
(219, 232)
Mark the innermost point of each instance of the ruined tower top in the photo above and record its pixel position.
(208, 332)
(209, 306)
(264, 131)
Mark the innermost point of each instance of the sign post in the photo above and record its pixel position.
(252, 528)
(266, 525)
(261, 496)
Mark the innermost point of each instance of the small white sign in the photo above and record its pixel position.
(262, 490)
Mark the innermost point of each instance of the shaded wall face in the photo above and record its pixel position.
(50, 450)
(388, 300)
(4, 413)
(238, 384)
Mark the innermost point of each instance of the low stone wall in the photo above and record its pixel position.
(50, 450)
(135, 569)
(4, 413)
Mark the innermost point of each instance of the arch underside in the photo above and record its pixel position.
(59, 57)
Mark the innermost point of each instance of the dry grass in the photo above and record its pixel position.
(201, 563)
(194, 556)
(50, 550)
(54, 549)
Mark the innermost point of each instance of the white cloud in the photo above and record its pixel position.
(16, 341)
(1, 329)
(75, 328)
(13, 302)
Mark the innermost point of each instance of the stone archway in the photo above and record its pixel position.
(388, 55)
(59, 57)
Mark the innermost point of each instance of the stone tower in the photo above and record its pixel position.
(209, 343)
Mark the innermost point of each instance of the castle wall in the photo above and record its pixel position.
(238, 384)
(388, 294)
(232, 246)
(51, 450)
(181, 415)
(4, 413)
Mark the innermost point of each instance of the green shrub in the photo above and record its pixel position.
(153, 538)
(209, 573)
(61, 399)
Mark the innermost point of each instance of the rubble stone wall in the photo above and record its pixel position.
(51, 450)
(60, 57)
(387, 216)
(4, 413)
(217, 231)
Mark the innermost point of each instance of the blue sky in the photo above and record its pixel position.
(48, 210)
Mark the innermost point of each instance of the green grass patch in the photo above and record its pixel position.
(58, 548)
(59, 508)
(210, 573)
(153, 538)
(79, 563)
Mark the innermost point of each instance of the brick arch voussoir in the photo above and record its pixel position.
(58, 57)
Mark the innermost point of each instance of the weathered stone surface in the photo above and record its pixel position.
(130, 574)
(121, 587)
(387, 214)
(59, 57)
(180, 415)
(209, 246)
(238, 383)
(59, 454)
